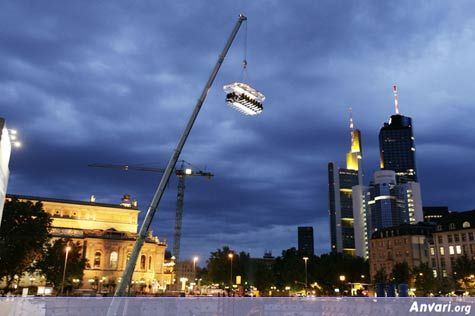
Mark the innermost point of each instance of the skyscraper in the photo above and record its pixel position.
(396, 146)
(340, 183)
(384, 203)
(305, 240)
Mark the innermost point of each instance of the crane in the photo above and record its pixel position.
(181, 173)
(157, 196)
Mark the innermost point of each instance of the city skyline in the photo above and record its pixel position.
(81, 89)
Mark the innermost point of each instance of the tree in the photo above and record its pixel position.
(23, 233)
(329, 268)
(263, 276)
(425, 280)
(401, 273)
(380, 276)
(289, 269)
(219, 266)
(52, 263)
(464, 271)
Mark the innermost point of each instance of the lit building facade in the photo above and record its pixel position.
(340, 184)
(305, 240)
(454, 236)
(384, 203)
(5, 152)
(107, 233)
(404, 243)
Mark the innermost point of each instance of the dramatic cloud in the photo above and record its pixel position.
(115, 82)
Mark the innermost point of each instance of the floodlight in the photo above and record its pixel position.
(244, 98)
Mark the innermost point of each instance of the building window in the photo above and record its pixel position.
(464, 237)
(452, 226)
(444, 273)
(456, 238)
(449, 238)
(142, 262)
(113, 259)
(433, 262)
(150, 263)
(442, 251)
(458, 249)
(439, 239)
(466, 225)
(470, 236)
(432, 251)
(442, 264)
(435, 273)
(472, 248)
(97, 259)
(451, 250)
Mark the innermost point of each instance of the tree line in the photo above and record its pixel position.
(286, 271)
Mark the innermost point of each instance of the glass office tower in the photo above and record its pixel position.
(397, 149)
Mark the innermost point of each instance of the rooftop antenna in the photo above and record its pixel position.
(396, 105)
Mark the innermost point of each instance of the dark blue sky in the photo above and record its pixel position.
(115, 82)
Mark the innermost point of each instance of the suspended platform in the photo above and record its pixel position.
(244, 98)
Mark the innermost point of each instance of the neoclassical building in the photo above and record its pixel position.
(107, 233)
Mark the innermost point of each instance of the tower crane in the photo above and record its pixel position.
(181, 173)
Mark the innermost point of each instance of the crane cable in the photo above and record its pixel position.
(244, 73)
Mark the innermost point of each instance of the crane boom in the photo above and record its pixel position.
(126, 167)
(130, 267)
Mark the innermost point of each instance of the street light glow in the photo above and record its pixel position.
(230, 256)
(195, 259)
(188, 171)
(342, 278)
(68, 248)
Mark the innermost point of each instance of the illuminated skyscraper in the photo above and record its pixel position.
(384, 203)
(396, 146)
(340, 183)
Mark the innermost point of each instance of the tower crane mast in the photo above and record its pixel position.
(181, 173)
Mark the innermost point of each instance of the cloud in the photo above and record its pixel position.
(116, 82)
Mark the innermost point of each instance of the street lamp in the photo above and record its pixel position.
(230, 256)
(68, 248)
(305, 259)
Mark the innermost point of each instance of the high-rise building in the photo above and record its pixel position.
(340, 183)
(5, 151)
(305, 240)
(396, 146)
(384, 203)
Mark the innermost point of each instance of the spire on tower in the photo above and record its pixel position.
(351, 119)
(396, 105)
